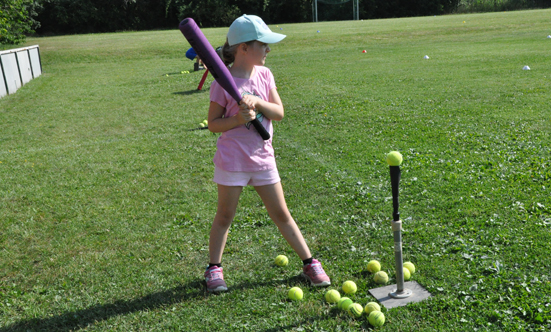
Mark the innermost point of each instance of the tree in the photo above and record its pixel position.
(89, 16)
(16, 20)
(208, 13)
(221, 13)
(372, 9)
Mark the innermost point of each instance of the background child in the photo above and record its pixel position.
(192, 55)
(242, 157)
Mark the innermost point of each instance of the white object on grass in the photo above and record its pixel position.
(526, 68)
(426, 57)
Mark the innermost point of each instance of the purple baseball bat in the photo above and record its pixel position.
(219, 71)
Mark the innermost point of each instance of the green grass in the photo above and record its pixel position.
(106, 196)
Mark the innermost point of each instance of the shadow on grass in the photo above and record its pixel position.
(178, 73)
(73, 320)
(78, 319)
(310, 320)
(188, 93)
(200, 128)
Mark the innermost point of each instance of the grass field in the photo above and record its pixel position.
(106, 196)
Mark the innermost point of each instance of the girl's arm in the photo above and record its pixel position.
(218, 123)
(272, 109)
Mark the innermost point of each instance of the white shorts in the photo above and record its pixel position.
(242, 179)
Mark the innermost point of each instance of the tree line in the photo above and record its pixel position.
(19, 18)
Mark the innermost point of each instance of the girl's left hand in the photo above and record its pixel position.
(245, 114)
(250, 101)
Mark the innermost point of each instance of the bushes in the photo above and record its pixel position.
(403, 8)
(208, 13)
(87, 16)
(476, 6)
(16, 20)
(84, 16)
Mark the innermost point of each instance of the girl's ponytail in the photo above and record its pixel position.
(227, 54)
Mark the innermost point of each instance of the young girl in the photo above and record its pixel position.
(242, 157)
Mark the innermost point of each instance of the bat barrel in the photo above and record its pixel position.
(185, 22)
(214, 64)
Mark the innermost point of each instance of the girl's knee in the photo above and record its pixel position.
(223, 220)
(282, 217)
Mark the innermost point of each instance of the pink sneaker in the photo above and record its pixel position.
(215, 280)
(315, 274)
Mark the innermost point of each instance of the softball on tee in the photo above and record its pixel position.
(394, 158)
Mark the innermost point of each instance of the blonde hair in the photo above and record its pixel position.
(227, 54)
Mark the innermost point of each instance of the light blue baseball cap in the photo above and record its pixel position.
(251, 27)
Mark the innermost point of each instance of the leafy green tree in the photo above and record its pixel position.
(221, 13)
(373, 9)
(208, 13)
(88, 16)
(16, 20)
(287, 11)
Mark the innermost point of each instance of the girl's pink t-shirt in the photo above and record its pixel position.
(241, 149)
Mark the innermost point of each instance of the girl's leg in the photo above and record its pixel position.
(228, 197)
(274, 200)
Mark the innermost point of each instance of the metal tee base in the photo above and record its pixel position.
(384, 294)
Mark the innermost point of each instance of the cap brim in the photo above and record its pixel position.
(272, 38)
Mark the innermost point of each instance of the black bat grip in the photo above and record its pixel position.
(395, 175)
(261, 130)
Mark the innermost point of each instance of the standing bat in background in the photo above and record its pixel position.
(219, 71)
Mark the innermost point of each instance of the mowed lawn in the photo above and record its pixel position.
(106, 197)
